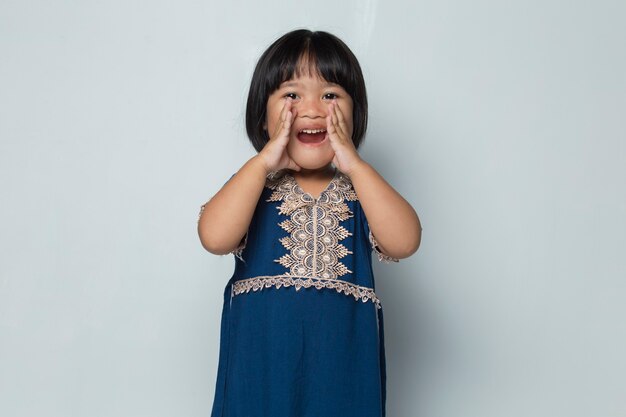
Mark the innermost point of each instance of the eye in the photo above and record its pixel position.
(330, 96)
(292, 96)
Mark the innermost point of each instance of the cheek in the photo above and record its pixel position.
(272, 113)
(271, 120)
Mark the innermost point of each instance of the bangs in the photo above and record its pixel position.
(305, 65)
(313, 57)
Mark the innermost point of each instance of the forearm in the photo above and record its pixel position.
(226, 217)
(391, 218)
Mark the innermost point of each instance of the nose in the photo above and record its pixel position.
(311, 107)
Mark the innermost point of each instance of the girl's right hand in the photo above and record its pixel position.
(274, 155)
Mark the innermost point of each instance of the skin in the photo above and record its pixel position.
(304, 102)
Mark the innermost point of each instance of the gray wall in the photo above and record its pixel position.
(502, 122)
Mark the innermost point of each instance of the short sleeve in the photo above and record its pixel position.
(382, 257)
(242, 245)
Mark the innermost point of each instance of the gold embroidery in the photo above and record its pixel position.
(313, 226)
(364, 294)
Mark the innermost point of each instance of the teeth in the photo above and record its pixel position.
(312, 131)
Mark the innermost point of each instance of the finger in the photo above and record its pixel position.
(282, 118)
(341, 119)
(288, 123)
(294, 113)
(286, 108)
(330, 127)
(335, 118)
(335, 121)
(333, 113)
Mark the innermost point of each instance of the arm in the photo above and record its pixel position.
(226, 217)
(391, 218)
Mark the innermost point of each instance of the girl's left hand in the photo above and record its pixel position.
(346, 156)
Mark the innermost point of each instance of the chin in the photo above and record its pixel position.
(312, 160)
(313, 165)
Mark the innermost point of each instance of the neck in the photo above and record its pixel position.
(319, 173)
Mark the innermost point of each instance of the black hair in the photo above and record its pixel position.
(322, 52)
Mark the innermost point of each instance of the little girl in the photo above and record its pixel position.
(302, 328)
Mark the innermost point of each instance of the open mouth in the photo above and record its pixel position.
(312, 136)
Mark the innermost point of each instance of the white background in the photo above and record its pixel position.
(502, 122)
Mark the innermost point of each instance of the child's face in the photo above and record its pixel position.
(311, 97)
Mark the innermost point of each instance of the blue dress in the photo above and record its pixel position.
(302, 328)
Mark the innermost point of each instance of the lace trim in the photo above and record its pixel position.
(364, 294)
(239, 249)
(201, 210)
(314, 226)
(381, 256)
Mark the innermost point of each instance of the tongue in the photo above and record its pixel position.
(311, 137)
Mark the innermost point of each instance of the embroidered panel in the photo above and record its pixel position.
(313, 226)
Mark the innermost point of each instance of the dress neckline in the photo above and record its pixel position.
(299, 189)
